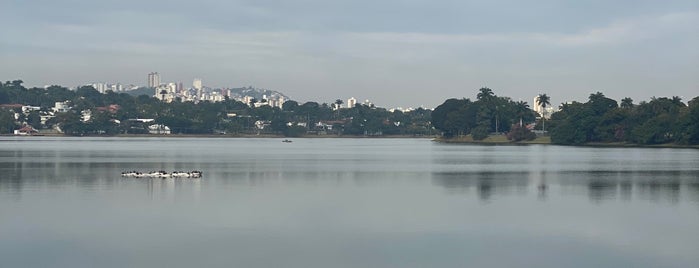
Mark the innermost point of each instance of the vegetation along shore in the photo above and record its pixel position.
(490, 119)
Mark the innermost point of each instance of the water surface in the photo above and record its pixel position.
(344, 203)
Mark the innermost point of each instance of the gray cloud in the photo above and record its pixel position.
(396, 53)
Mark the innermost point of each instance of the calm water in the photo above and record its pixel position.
(344, 203)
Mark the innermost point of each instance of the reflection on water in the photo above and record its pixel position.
(598, 186)
(344, 203)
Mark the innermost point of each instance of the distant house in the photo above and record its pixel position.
(158, 129)
(26, 131)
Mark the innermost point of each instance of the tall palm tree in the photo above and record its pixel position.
(338, 105)
(677, 101)
(485, 94)
(522, 108)
(543, 100)
(626, 103)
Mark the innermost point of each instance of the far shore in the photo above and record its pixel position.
(232, 136)
(490, 140)
(546, 140)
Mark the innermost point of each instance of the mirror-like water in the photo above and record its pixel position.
(344, 203)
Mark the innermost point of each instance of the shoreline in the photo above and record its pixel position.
(492, 140)
(546, 140)
(265, 136)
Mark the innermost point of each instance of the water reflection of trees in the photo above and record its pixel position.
(599, 186)
(487, 184)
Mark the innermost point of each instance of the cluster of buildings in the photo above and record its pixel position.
(171, 91)
(102, 87)
(23, 114)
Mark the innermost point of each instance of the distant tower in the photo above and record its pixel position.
(179, 88)
(197, 84)
(153, 79)
(351, 102)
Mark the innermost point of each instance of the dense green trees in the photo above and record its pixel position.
(600, 119)
(490, 113)
(228, 116)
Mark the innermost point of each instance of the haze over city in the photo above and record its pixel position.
(396, 53)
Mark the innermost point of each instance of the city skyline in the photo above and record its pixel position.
(396, 53)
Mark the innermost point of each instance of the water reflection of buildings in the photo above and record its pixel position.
(654, 186)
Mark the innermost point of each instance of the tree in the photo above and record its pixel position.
(543, 100)
(7, 121)
(485, 94)
(626, 103)
(34, 119)
(338, 105)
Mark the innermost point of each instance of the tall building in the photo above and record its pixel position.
(351, 102)
(545, 112)
(100, 87)
(197, 84)
(153, 79)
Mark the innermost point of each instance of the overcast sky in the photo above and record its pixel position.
(395, 53)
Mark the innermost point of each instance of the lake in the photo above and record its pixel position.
(344, 203)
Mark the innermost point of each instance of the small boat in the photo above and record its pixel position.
(286, 141)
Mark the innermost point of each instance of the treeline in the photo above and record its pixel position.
(601, 119)
(489, 113)
(111, 114)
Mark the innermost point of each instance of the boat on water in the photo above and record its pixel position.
(286, 141)
(194, 174)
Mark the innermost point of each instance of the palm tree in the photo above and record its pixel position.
(485, 94)
(522, 108)
(626, 103)
(338, 105)
(543, 100)
(677, 101)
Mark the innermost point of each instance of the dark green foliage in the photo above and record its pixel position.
(456, 117)
(519, 133)
(480, 132)
(294, 131)
(7, 121)
(229, 116)
(662, 120)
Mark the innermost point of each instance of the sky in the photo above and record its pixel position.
(395, 53)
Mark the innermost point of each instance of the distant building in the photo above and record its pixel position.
(153, 79)
(100, 87)
(351, 102)
(166, 92)
(158, 129)
(26, 130)
(61, 106)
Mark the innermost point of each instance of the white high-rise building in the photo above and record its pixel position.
(197, 84)
(153, 79)
(351, 102)
(100, 87)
